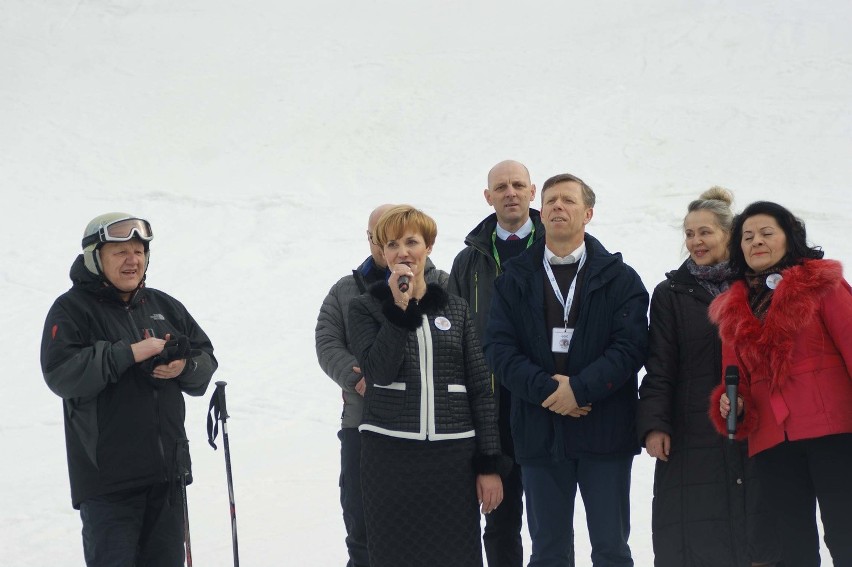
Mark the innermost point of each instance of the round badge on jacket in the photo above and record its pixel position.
(772, 280)
(442, 323)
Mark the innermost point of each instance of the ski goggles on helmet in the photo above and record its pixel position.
(121, 230)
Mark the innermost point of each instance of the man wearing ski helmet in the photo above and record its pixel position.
(121, 356)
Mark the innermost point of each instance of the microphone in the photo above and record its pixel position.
(402, 282)
(732, 380)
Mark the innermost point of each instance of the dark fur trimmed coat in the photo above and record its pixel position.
(795, 366)
(425, 371)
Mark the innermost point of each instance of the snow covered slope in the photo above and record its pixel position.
(257, 136)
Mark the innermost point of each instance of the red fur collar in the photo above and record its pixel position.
(767, 348)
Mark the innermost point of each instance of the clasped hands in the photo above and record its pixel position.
(163, 358)
(562, 401)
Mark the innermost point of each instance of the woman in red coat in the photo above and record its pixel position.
(787, 324)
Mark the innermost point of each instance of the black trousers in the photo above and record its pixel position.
(134, 528)
(350, 497)
(797, 474)
(502, 535)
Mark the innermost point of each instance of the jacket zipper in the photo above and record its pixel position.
(156, 396)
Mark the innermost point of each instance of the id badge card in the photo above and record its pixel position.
(561, 339)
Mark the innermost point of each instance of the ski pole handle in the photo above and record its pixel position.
(217, 412)
(220, 393)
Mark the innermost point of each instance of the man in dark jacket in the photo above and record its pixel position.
(567, 334)
(334, 353)
(121, 356)
(511, 229)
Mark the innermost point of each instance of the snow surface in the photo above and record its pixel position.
(258, 136)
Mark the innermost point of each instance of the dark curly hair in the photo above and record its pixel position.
(794, 231)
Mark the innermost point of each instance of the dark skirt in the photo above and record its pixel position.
(420, 502)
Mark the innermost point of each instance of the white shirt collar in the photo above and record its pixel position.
(571, 258)
(522, 232)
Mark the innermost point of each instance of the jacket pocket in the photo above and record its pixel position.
(385, 402)
(458, 406)
(392, 386)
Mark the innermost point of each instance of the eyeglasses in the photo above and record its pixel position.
(121, 230)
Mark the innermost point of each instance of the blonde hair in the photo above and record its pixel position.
(395, 221)
(718, 201)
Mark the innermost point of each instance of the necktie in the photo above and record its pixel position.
(513, 237)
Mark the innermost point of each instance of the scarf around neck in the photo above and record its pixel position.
(715, 279)
(759, 291)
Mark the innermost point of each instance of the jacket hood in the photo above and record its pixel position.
(83, 279)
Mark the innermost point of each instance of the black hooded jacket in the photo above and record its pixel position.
(122, 426)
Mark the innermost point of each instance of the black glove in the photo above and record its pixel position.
(174, 349)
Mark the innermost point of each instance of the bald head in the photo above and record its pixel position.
(510, 192)
(376, 251)
(376, 215)
(511, 166)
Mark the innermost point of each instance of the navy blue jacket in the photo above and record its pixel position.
(608, 348)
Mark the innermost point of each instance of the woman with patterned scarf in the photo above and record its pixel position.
(706, 509)
(786, 322)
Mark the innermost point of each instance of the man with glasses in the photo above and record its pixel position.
(335, 356)
(121, 355)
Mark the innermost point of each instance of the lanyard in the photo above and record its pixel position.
(494, 245)
(566, 304)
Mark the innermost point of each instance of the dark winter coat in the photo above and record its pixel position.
(795, 365)
(705, 508)
(472, 277)
(475, 268)
(426, 375)
(609, 346)
(333, 343)
(121, 424)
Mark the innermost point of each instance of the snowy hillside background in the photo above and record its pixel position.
(257, 136)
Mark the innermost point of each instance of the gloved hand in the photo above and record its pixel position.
(174, 349)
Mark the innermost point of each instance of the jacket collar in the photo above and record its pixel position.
(85, 280)
(599, 262)
(433, 300)
(681, 280)
(480, 236)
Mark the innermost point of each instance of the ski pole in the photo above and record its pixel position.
(218, 412)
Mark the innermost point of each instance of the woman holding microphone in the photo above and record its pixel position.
(430, 450)
(786, 323)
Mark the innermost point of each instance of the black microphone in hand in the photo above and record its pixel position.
(732, 380)
(402, 282)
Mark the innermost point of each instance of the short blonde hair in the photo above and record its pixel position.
(394, 222)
